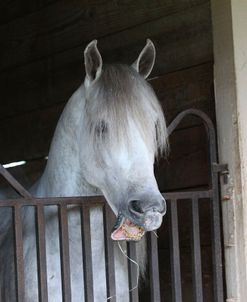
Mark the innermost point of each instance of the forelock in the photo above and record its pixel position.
(120, 96)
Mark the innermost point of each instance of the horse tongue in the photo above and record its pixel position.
(126, 230)
(118, 234)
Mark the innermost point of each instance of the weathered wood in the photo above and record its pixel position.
(185, 89)
(186, 274)
(187, 165)
(69, 24)
(181, 42)
(230, 44)
(28, 136)
(13, 9)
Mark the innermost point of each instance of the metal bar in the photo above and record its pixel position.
(196, 253)
(153, 259)
(94, 200)
(19, 261)
(133, 272)
(42, 268)
(175, 253)
(64, 246)
(87, 200)
(195, 112)
(217, 252)
(14, 183)
(87, 254)
(109, 253)
(215, 221)
(188, 195)
(215, 217)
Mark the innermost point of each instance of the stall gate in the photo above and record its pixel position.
(212, 195)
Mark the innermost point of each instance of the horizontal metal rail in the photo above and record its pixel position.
(85, 203)
(93, 200)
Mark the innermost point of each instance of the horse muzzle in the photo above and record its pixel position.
(152, 220)
(137, 220)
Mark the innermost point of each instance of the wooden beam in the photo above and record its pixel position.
(185, 89)
(230, 72)
(13, 9)
(66, 25)
(181, 42)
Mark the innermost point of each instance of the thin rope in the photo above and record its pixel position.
(137, 267)
(155, 234)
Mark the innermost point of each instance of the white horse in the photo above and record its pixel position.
(105, 143)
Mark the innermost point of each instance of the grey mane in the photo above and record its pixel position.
(119, 97)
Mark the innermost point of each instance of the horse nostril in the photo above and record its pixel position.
(135, 206)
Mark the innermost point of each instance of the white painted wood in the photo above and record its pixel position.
(230, 72)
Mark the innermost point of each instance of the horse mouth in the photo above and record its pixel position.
(126, 230)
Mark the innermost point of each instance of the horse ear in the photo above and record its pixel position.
(93, 61)
(145, 62)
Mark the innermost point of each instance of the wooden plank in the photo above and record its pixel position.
(230, 81)
(185, 89)
(68, 24)
(13, 9)
(181, 42)
(28, 136)
(188, 149)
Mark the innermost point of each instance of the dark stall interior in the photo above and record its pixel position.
(41, 51)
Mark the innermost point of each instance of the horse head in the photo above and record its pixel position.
(123, 131)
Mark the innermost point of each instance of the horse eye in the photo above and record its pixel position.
(101, 128)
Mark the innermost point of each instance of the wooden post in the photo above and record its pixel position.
(230, 72)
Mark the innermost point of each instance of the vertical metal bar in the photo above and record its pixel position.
(196, 253)
(87, 254)
(216, 249)
(109, 253)
(175, 253)
(215, 217)
(42, 269)
(133, 272)
(64, 246)
(215, 222)
(19, 261)
(153, 259)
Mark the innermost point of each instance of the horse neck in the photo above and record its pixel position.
(63, 175)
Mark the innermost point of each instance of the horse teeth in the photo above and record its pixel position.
(130, 236)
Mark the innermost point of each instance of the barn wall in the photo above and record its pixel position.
(42, 64)
(41, 52)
